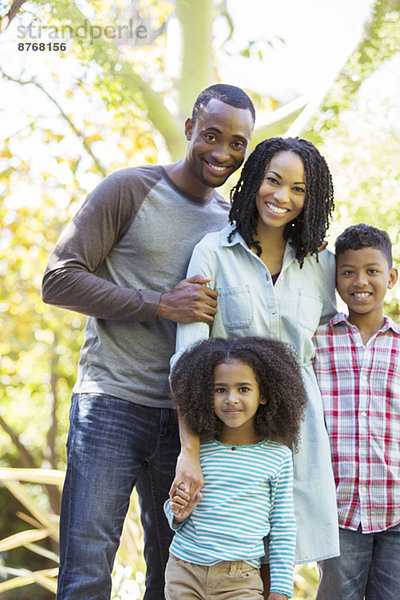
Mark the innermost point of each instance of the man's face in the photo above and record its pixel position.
(218, 140)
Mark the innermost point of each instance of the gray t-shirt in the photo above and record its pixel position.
(130, 242)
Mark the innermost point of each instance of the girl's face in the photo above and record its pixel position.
(282, 193)
(236, 398)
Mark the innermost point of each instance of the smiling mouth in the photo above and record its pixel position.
(218, 169)
(361, 295)
(277, 210)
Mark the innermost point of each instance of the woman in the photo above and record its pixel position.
(273, 281)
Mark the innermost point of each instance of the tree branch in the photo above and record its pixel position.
(197, 56)
(52, 431)
(5, 21)
(77, 131)
(26, 457)
(170, 127)
(277, 121)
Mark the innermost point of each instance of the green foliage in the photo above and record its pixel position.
(378, 44)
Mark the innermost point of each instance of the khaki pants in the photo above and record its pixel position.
(226, 580)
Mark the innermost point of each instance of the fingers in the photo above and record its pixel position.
(179, 485)
(180, 495)
(180, 506)
(198, 279)
(189, 301)
(179, 500)
(198, 285)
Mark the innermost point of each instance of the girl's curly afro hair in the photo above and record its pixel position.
(307, 232)
(277, 373)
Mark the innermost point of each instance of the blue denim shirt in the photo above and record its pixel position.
(290, 310)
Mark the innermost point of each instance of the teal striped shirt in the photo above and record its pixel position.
(248, 495)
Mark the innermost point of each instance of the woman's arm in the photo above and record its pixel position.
(188, 474)
(328, 284)
(202, 264)
(188, 470)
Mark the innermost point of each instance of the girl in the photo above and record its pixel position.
(272, 280)
(245, 398)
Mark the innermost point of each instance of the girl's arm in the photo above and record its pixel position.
(266, 579)
(282, 535)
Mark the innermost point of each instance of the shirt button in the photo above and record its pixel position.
(364, 378)
(363, 489)
(363, 414)
(358, 345)
(273, 313)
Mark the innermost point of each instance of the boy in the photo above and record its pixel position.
(357, 364)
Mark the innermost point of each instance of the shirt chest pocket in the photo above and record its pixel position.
(235, 306)
(309, 310)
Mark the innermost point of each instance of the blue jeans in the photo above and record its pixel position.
(112, 446)
(368, 566)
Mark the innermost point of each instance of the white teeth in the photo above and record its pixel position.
(362, 294)
(276, 209)
(216, 168)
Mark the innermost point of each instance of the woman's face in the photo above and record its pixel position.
(282, 193)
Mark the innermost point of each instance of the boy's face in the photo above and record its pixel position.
(363, 277)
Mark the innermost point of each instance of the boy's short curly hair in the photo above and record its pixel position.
(360, 236)
(277, 373)
(307, 231)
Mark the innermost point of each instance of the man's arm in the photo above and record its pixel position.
(189, 301)
(71, 282)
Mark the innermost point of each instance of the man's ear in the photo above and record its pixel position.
(189, 128)
(393, 276)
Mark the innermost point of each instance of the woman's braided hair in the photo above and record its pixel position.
(307, 232)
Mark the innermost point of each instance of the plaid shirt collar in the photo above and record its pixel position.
(342, 318)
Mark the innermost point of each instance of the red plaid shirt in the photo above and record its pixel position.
(360, 387)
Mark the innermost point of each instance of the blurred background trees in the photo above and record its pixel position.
(120, 99)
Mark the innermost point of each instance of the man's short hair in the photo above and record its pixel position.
(229, 94)
(364, 236)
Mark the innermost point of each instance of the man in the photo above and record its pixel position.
(122, 261)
